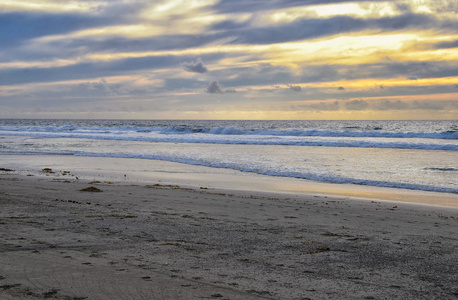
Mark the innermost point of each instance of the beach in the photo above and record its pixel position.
(218, 149)
(74, 230)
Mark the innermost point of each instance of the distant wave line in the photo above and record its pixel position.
(246, 140)
(229, 130)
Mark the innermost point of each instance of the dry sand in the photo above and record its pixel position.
(169, 242)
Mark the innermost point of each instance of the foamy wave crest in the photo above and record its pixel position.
(327, 133)
(233, 139)
(230, 130)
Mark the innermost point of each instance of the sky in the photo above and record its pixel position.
(226, 59)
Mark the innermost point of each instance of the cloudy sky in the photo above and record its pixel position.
(226, 59)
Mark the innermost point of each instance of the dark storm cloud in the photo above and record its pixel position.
(19, 26)
(326, 106)
(228, 25)
(409, 90)
(196, 66)
(180, 83)
(412, 70)
(16, 28)
(356, 105)
(298, 30)
(301, 29)
(262, 74)
(84, 70)
(446, 45)
(214, 88)
(267, 74)
(403, 7)
(320, 106)
(82, 46)
(427, 105)
(416, 70)
(98, 88)
(96, 69)
(444, 6)
(392, 105)
(124, 11)
(304, 29)
(420, 105)
(253, 6)
(295, 88)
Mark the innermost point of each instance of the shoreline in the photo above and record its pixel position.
(160, 240)
(142, 171)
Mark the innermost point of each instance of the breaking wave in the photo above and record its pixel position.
(234, 135)
(230, 130)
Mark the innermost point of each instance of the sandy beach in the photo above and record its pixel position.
(130, 239)
(218, 149)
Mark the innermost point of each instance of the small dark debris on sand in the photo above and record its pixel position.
(92, 189)
(9, 286)
(50, 294)
(47, 170)
(6, 170)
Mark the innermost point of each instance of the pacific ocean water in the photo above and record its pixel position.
(418, 155)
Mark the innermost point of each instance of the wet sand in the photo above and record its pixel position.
(156, 240)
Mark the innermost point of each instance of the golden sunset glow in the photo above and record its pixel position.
(49, 5)
(381, 9)
(216, 58)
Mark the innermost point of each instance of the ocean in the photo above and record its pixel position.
(417, 155)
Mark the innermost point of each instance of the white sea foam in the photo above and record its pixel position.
(230, 130)
(244, 167)
(413, 155)
(233, 135)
